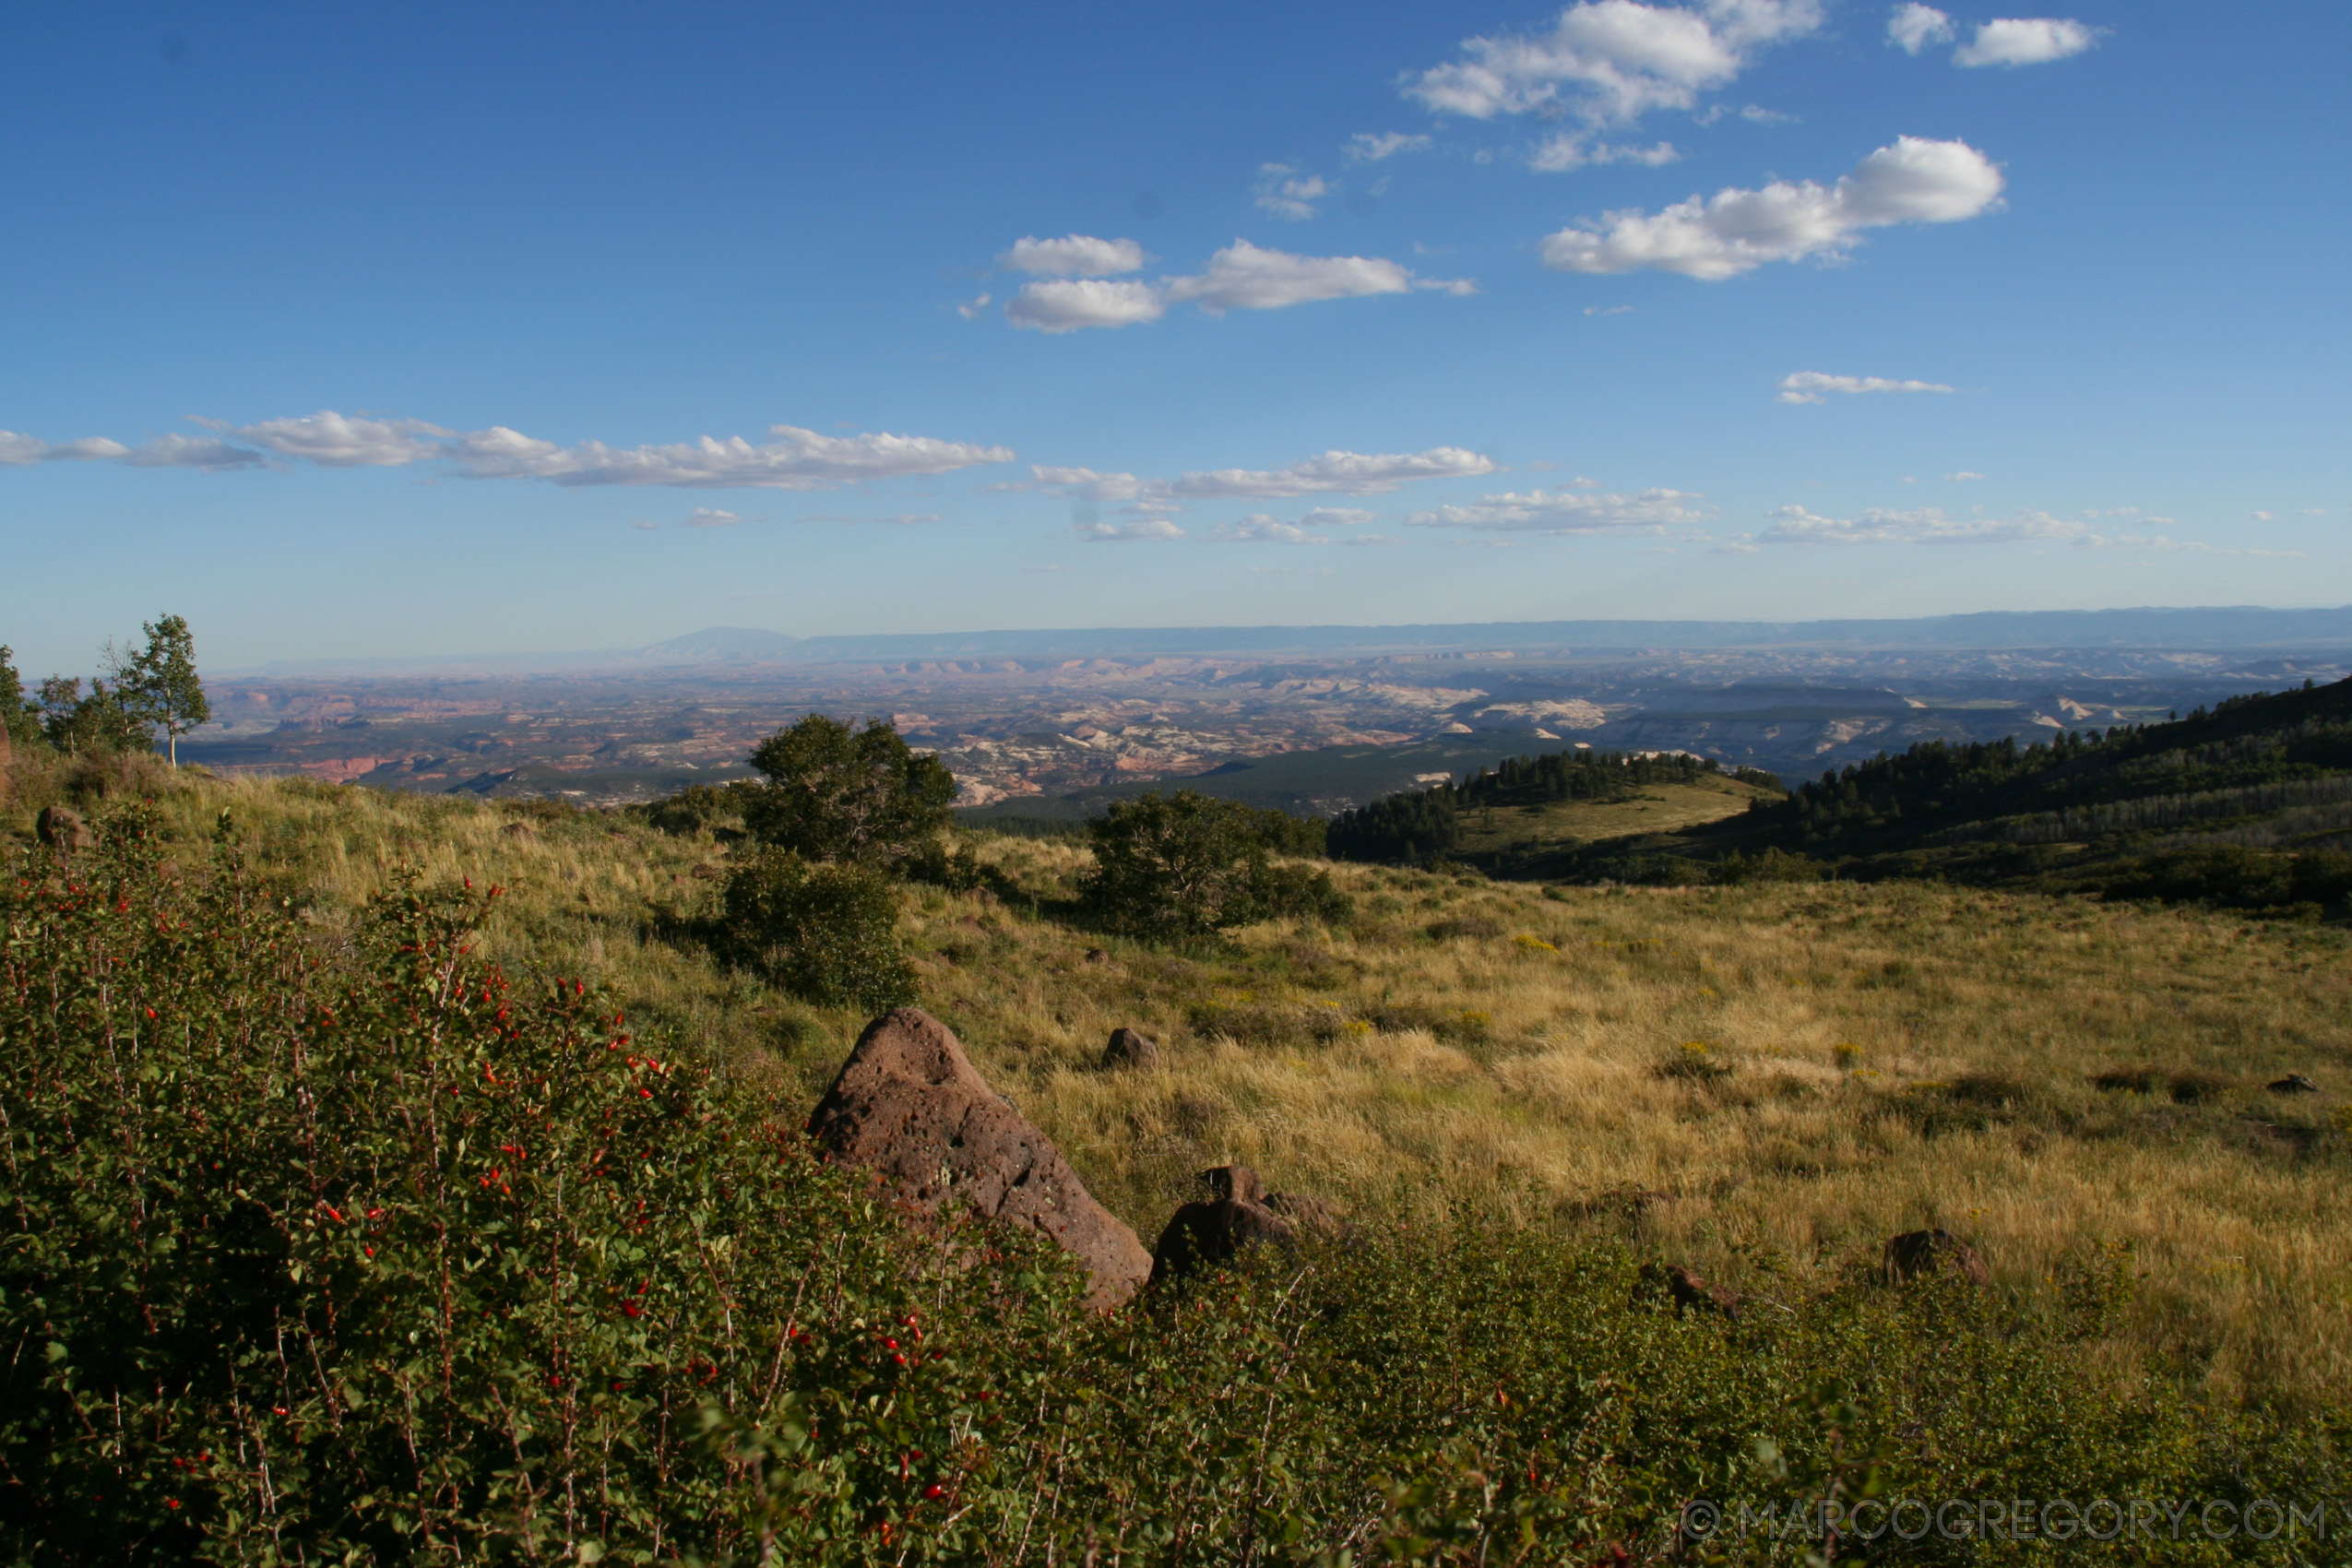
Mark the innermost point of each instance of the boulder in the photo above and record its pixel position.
(2294, 1083)
(1916, 1253)
(1130, 1050)
(1207, 1234)
(1691, 1289)
(910, 1106)
(63, 829)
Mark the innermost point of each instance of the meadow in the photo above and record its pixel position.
(1762, 1082)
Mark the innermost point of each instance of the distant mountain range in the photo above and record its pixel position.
(2233, 627)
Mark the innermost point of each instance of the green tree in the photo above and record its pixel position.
(827, 933)
(159, 684)
(836, 793)
(99, 720)
(1177, 865)
(19, 718)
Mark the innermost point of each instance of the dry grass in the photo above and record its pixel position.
(1868, 1060)
(1656, 808)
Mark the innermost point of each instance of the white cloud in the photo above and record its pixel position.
(1575, 150)
(1610, 61)
(2315, 511)
(1281, 191)
(645, 525)
(1809, 385)
(2030, 41)
(1365, 147)
(1913, 27)
(1556, 512)
(1335, 518)
(2261, 516)
(1344, 473)
(1143, 529)
(1247, 277)
(897, 519)
(1072, 256)
(1372, 539)
(1963, 476)
(1914, 181)
(1757, 115)
(1086, 484)
(1931, 524)
(791, 458)
(1260, 529)
(341, 441)
(23, 451)
(709, 517)
(1608, 310)
(1090, 301)
(209, 454)
(971, 309)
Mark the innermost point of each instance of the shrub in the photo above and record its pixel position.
(827, 933)
(407, 1263)
(1187, 865)
(835, 793)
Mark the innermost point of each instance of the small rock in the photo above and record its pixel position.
(63, 829)
(2294, 1083)
(1691, 1289)
(1204, 1235)
(910, 1106)
(1916, 1253)
(1130, 1050)
(1097, 956)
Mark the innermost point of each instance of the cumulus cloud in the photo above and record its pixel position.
(1335, 518)
(23, 451)
(1914, 181)
(341, 441)
(1241, 277)
(1575, 150)
(709, 517)
(1065, 306)
(1072, 256)
(790, 459)
(1913, 27)
(1283, 192)
(1372, 539)
(1610, 61)
(1260, 529)
(971, 309)
(1813, 386)
(1541, 511)
(1344, 473)
(1963, 476)
(2030, 41)
(1144, 529)
(1247, 277)
(207, 453)
(1366, 147)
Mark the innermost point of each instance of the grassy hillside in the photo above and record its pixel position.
(1520, 840)
(1763, 1081)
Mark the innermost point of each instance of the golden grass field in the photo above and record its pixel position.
(1562, 824)
(1763, 1081)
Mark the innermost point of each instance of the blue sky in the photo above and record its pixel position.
(383, 330)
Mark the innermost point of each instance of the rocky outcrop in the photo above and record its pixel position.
(1214, 1232)
(62, 830)
(1915, 1254)
(2294, 1083)
(909, 1106)
(1130, 1050)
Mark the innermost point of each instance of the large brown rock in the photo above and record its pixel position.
(910, 1106)
(63, 829)
(1916, 1253)
(1207, 1234)
(1130, 1050)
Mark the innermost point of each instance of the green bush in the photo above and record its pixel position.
(835, 793)
(827, 933)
